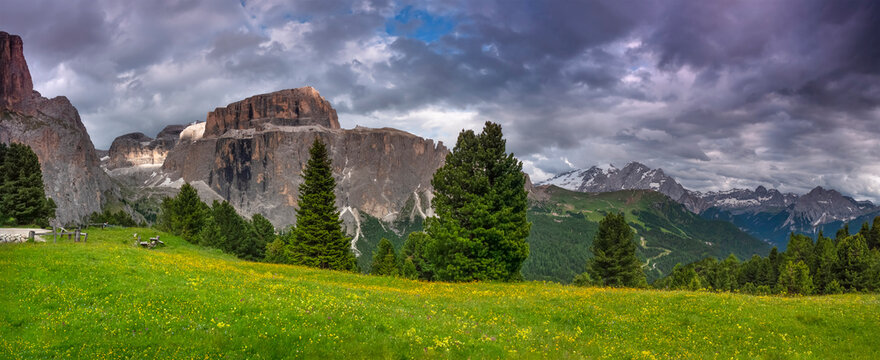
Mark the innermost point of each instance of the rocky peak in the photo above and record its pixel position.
(15, 78)
(291, 107)
(633, 176)
(72, 175)
(171, 132)
(137, 149)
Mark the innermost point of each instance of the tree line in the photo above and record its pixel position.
(846, 263)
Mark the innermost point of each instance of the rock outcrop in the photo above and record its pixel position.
(292, 107)
(15, 79)
(137, 149)
(252, 153)
(52, 127)
(379, 172)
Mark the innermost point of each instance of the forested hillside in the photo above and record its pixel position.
(564, 226)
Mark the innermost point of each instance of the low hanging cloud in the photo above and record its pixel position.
(719, 94)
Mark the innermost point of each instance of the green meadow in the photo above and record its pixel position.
(107, 299)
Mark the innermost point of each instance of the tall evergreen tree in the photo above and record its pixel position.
(22, 195)
(480, 230)
(264, 233)
(385, 260)
(842, 233)
(852, 262)
(184, 214)
(800, 248)
(795, 278)
(775, 264)
(873, 238)
(319, 240)
(614, 261)
(825, 255)
(415, 251)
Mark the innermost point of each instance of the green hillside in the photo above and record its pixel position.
(565, 223)
(107, 299)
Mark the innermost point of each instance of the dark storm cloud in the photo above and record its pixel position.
(718, 93)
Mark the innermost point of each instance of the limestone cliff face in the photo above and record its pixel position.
(52, 127)
(137, 149)
(292, 107)
(257, 165)
(378, 171)
(15, 79)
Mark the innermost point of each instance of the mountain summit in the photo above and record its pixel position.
(52, 128)
(764, 213)
(633, 176)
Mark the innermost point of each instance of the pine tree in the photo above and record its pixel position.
(825, 255)
(852, 262)
(264, 233)
(384, 259)
(800, 248)
(614, 261)
(319, 240)
(795, 278)
(727, 274)
(22, 196)
(775, 265)
(211, 235)
(480, 230)
(685, 278)
(184, 214)
(415, 251)
(842, 233)
(873, 238)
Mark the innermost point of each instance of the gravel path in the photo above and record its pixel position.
(18, 234)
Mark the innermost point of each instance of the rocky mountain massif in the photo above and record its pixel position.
(252, 153)
(764, 213)
(52, 127)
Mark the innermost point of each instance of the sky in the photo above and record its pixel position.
(719, 94)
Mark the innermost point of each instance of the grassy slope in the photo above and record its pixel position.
(108, 299)
(564, 226)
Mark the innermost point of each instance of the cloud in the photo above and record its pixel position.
(718, 94)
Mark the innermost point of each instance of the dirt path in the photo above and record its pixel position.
(652, 261)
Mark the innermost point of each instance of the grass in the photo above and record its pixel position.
(107, 299)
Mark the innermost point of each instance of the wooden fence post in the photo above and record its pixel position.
(31, 236)
(76, 235)
(54, 235)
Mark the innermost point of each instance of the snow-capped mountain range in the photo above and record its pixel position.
(765, 213)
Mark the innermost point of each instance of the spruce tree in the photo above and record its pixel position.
(22, 196)
(795, 278)
(480, 228)
(415, 251)
(800, 248)
(873, 238)
(264, 233)
(852, 262)
(825, 255)
(319, 240)
(842, 233)
(184, 214)
(384, 259)
(614, 261)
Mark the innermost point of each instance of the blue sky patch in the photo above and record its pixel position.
(419, 24)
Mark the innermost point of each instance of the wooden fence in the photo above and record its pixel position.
(75, 235)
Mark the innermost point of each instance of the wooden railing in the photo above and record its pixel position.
(75, 235)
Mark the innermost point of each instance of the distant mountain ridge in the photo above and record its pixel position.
(764, 213)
